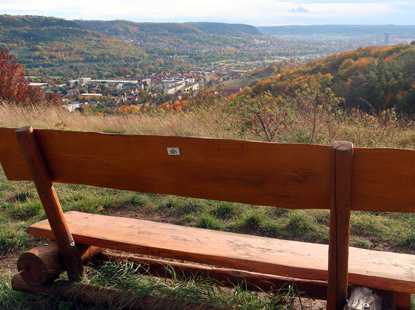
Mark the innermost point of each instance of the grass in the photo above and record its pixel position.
(208, 221)
(203, 123)
(364, 130)
(170, 292)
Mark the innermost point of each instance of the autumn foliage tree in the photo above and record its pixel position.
(14, 88)
(372, 79)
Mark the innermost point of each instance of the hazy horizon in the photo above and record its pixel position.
(256, 13)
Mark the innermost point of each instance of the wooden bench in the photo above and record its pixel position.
(294, 176)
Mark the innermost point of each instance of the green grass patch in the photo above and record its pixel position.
(208, 221)
(25, 211)
(361, 243)
(251, 219)
(367, 224)
(407, 240)
(12, 237)
(272, 228)
(173, 205)
(303, 226)
(224, 211)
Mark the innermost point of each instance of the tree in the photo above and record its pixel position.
(13, 86)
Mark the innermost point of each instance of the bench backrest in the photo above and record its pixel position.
(295, 176)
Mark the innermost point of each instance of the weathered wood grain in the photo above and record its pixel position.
(383, 270)
(339, 225)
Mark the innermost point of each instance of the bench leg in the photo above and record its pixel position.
(47, 194)
(339, 226)
(402, 301)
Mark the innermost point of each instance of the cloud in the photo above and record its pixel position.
(299, 10)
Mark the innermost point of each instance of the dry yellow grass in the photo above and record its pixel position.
(202, 123)
(362, 129)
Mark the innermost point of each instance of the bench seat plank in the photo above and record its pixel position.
(383, 270)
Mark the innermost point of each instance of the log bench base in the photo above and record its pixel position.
(381, 270)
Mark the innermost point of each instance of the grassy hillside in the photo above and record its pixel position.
(371, 78)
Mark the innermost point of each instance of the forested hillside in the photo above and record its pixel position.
(50, 46)
(56, 47)
(370, 78)
(174, 34)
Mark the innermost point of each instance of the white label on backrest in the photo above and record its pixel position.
(173, 151)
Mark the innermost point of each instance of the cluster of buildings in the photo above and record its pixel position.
(150, 90)
(153, 90)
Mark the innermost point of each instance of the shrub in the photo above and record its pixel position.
(263, 115)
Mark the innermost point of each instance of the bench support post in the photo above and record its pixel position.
(402, 301)
(339, 225)
(50, 202)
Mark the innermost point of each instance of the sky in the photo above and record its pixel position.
(253, 12)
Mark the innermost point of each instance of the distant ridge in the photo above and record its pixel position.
(337, 29)
(146, 32)
(39, 29)
(34, 21)
(129, 28)
(226, 29)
